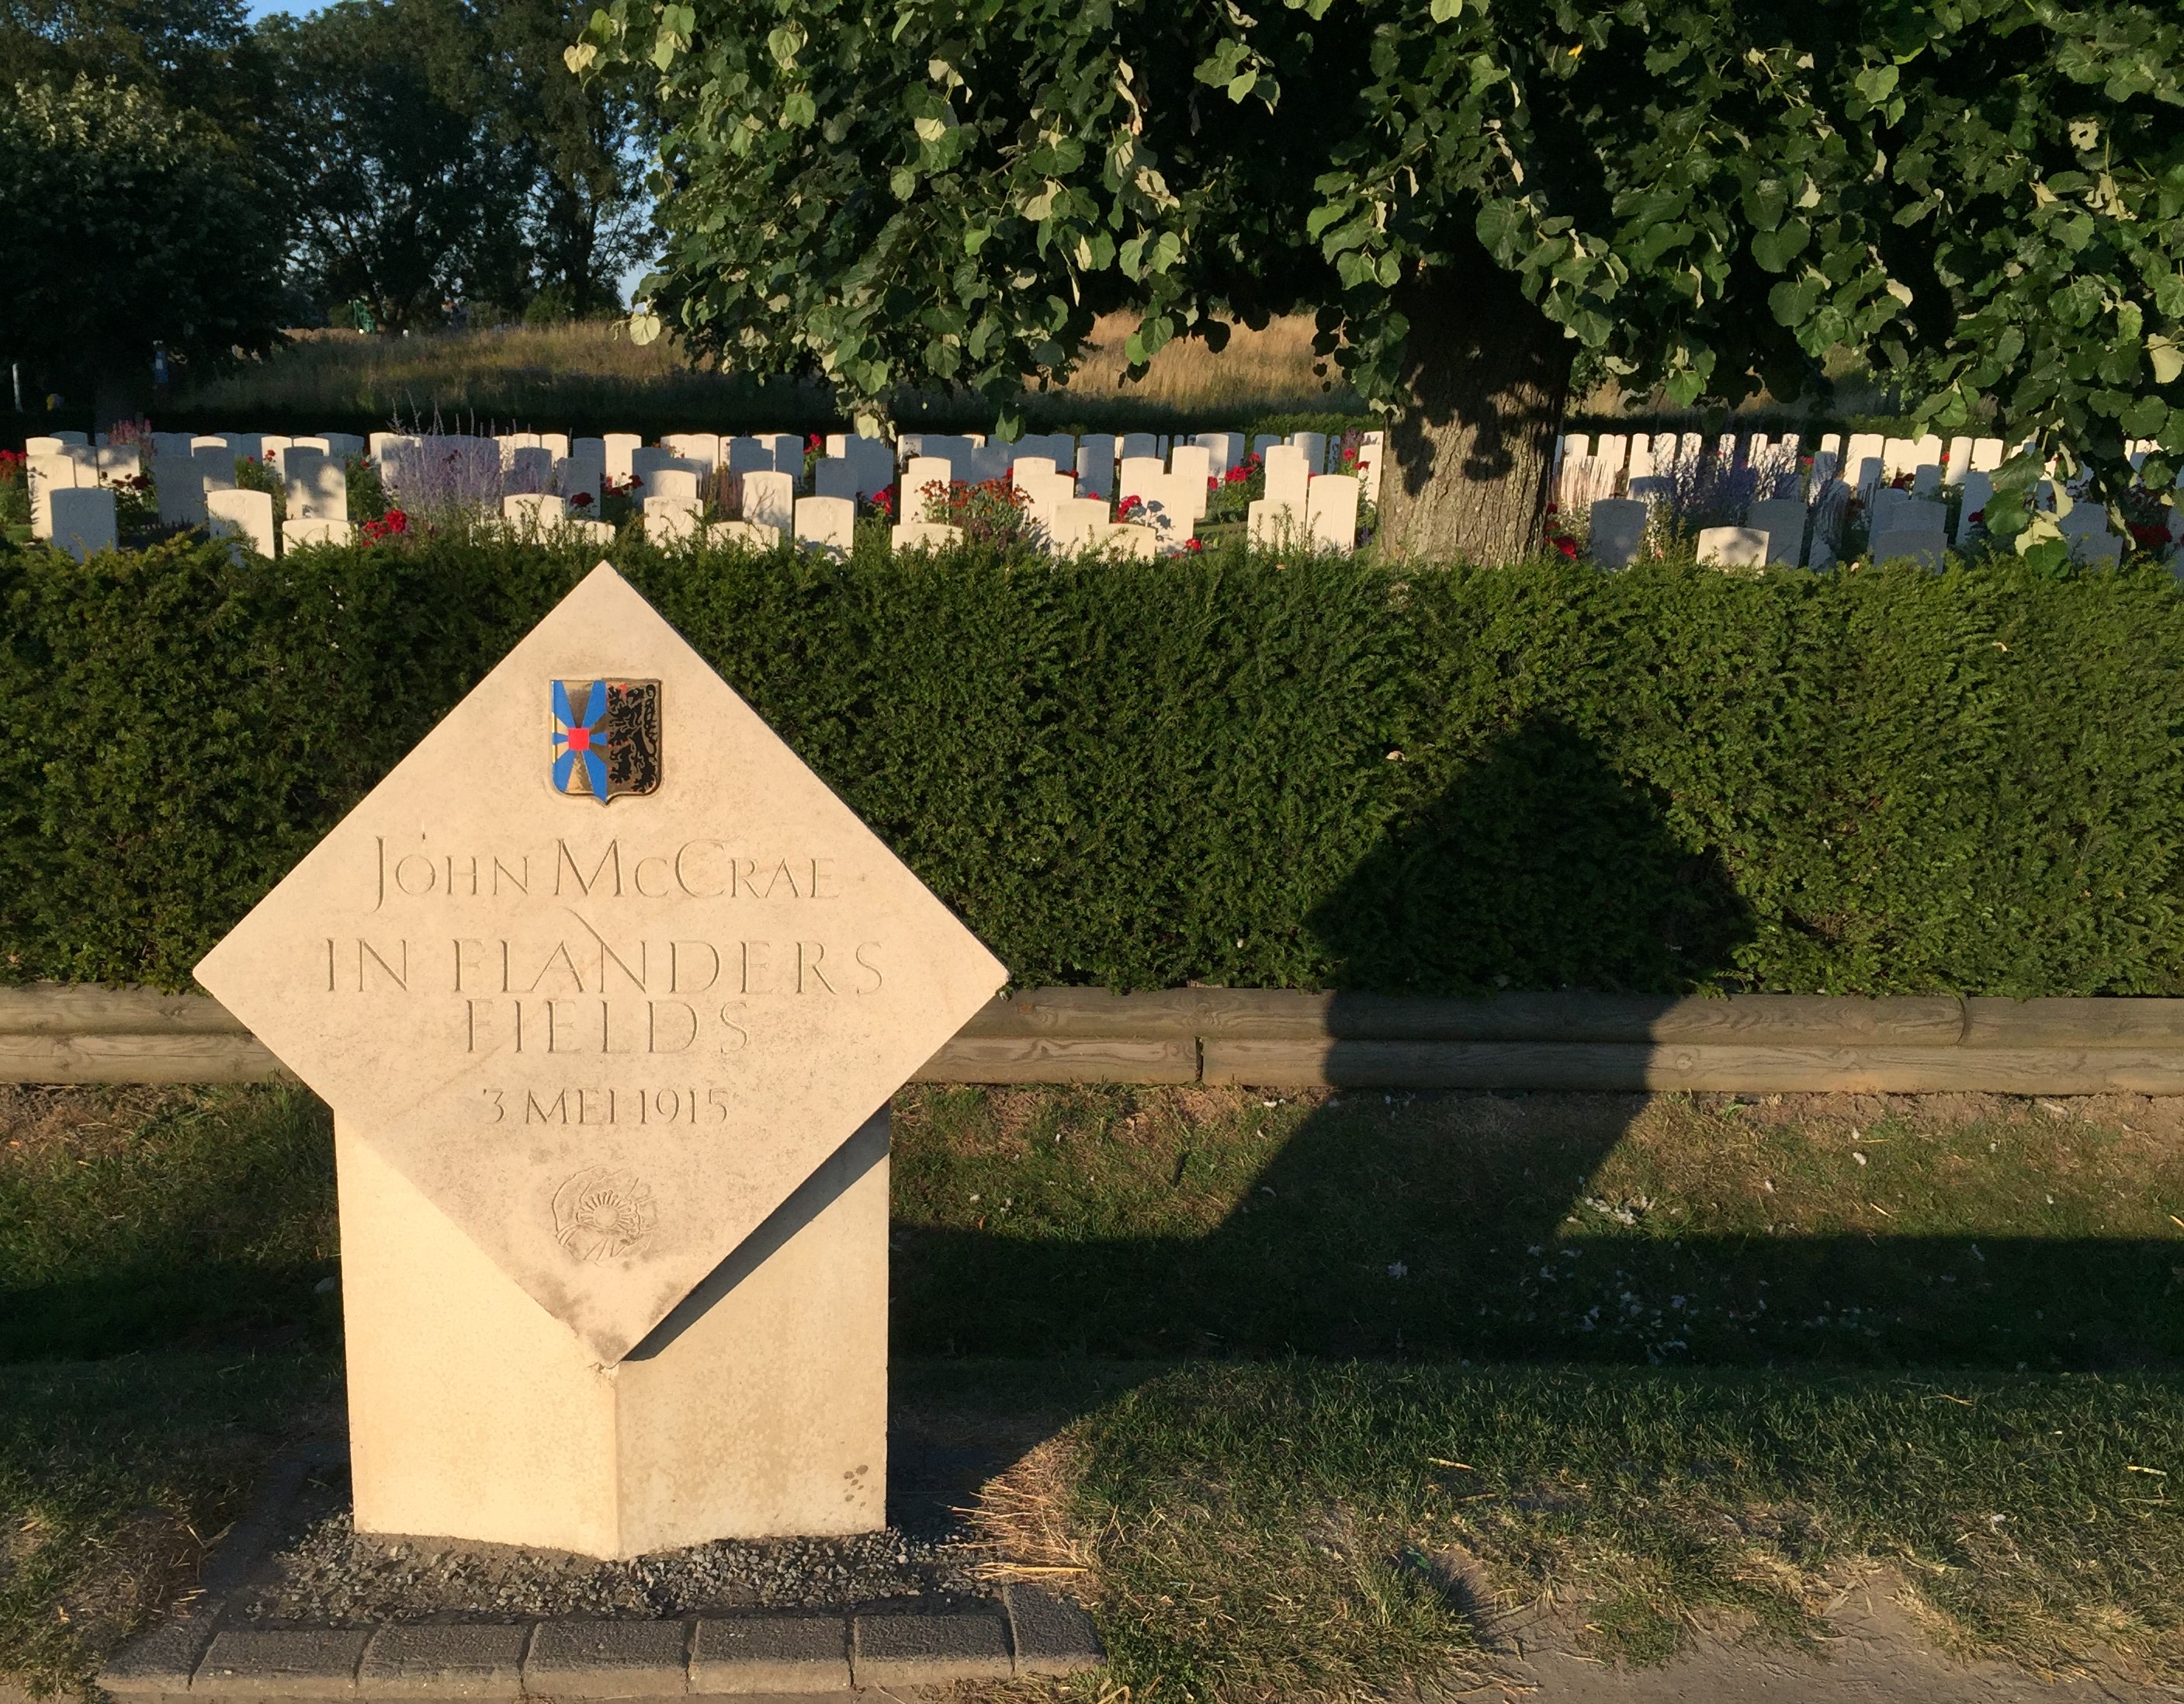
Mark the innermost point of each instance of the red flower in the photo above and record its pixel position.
(814, 442)
(1130, 506)
(2150, 535)
(582, 500)
(1566, 544)
(1194, 545)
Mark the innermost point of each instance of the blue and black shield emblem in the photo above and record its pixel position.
(606, 738)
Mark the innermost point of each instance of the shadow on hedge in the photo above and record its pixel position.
(1541, 866)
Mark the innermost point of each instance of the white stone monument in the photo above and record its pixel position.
(608, 993)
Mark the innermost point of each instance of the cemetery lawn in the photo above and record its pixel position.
(1306, 1393)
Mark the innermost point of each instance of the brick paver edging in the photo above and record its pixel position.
(1025, 1631)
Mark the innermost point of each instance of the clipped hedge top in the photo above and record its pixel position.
(1222, 769)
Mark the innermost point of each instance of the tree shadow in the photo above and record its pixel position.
(1385, 1228)
(1541, 866)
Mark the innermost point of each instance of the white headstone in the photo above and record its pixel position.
(920, 476)
(1971, 516)
(1314, 445)
(582, 479)
(1783, 521)
(701, 447)
(1618, 531)
(218, 465)
(529, 467)
(1140, 443)
(923, 535)
(1331, 512)
(308, 530)
(1095, 465)
(827, 524)
(1193, 463)
(1226, 449)
(674, 485)
(534, 513)
(83, 521)
(119, 461)
(770, 500)
(620, 447)
(245, 516)
(1732, 547)
(1287, 476)
(179, 483)
(835, 475)
(318, 488)
(45, 475)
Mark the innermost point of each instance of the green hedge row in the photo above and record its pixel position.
(1229, 768)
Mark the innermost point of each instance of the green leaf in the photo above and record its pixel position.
(1878, 84)
(1442, 10)
(1775, 249)
(2167, 358)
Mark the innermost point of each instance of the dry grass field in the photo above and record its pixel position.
(588, 374)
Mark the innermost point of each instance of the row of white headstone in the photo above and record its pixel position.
(1134, 493)
(1798, 508)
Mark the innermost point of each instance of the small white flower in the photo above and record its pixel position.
(1399, 1270)
(1859, 1157)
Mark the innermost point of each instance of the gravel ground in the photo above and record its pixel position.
(322, 1573)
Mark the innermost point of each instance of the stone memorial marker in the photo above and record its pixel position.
(671, 520)
(217, 464)
(534, 513)
(618, 447)
(835, 475)
(608, 993)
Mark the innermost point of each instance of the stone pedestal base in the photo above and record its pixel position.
(757, 1409)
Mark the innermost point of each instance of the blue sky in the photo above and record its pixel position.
(258, 8)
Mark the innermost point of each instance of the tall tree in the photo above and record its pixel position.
(1483, 200)
(589, 216)
(441, 148)
(124, 224)
(401, 191)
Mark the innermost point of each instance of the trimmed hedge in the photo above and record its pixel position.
(1224, 768)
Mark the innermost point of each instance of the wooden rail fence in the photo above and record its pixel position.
(51, 1033)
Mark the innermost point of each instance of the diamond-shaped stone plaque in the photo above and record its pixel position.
(602, 967)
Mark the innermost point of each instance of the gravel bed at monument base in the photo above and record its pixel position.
(324, 1574)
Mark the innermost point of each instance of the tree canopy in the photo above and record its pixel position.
(124, 223)
(1482, 199)
(437, 149)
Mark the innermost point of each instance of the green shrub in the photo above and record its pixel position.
(1227, 769)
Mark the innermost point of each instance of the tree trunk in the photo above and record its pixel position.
(1487, 376)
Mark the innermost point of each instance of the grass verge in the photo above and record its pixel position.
(115, 1475)
(1319, 1387)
